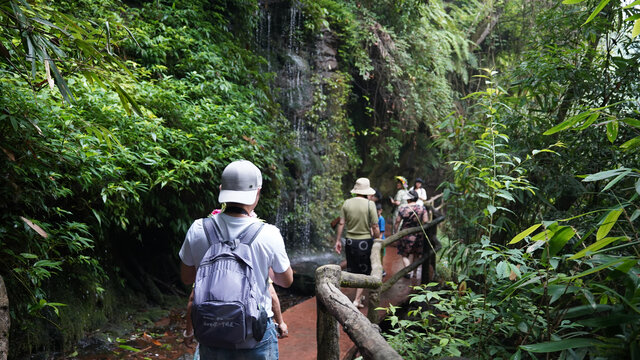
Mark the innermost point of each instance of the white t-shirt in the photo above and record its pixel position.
(267, 250)
(422, 195)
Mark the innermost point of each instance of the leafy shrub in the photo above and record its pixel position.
(88, 184)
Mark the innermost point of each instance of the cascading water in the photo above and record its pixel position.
(278, 40)
(296, 57)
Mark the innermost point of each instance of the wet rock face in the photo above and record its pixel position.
(303, 63)
(5, 321)
(326, 60)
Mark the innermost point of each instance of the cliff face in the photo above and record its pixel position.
(312, 94)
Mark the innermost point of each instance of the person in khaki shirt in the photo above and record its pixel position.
(361, 220)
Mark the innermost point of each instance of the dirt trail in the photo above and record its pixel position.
(161, 340)
(148, 333)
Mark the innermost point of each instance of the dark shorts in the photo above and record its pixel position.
(358, 253)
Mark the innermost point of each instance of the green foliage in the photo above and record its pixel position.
(341, 19)
(557, 253)
(491, 176)
(87, 184)
(333, 131)
(394, 52)
(61, 44)
(458, 322)
(578, 269)
(408, 87)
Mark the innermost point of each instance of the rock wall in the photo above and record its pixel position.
(306, 68)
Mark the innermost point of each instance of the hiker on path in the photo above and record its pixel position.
(410, 247)
(382, 227)
(240, 190)
(401, 196)
(359, 216)
(422, 193)
(281, 326)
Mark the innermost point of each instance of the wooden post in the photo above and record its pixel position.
(374, 302)
(328, 334)
(366, 336)
(376, 271)
(5, 321)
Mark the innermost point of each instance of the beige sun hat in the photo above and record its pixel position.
(363, 187)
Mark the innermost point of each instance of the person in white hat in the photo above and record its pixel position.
(361, 219)
(240, 191)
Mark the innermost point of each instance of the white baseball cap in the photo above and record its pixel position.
(241, 181)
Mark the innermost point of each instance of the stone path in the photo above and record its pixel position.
(301, 318)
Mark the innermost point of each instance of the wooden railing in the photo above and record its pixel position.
(334, 307)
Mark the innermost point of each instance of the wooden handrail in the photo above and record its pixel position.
(368, 338)
(334, 305)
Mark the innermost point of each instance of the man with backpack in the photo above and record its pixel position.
(230, 257)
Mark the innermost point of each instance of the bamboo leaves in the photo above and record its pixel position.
(524, 234)
(553, 346)
(620, 174)
(597, 246)
(603, 3)
(63, 45)
(608, 223)
(597, 10)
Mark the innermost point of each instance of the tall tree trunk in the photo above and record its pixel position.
(493, 21)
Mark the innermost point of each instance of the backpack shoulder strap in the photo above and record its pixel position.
(250, 232)
(369, 202)
(211, 230)
(214, 234)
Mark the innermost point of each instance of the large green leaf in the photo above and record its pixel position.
(542, 236)
(612, 131)
(589, 121)
(637, 2)
(605, 174)
(615, 181)
(555, 291)
(636, 29)
(631, 144)
(597, 246)
(595, 12)
(567, 123)
(607, 223)
(560, 239)
(527, 232)
(565, 344)
(598, 268)
(631, 121)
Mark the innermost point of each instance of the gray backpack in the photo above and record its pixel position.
(226, 311)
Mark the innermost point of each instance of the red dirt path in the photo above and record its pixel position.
(163, 340)
(301, 318)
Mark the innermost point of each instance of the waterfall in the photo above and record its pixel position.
(278, 40)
